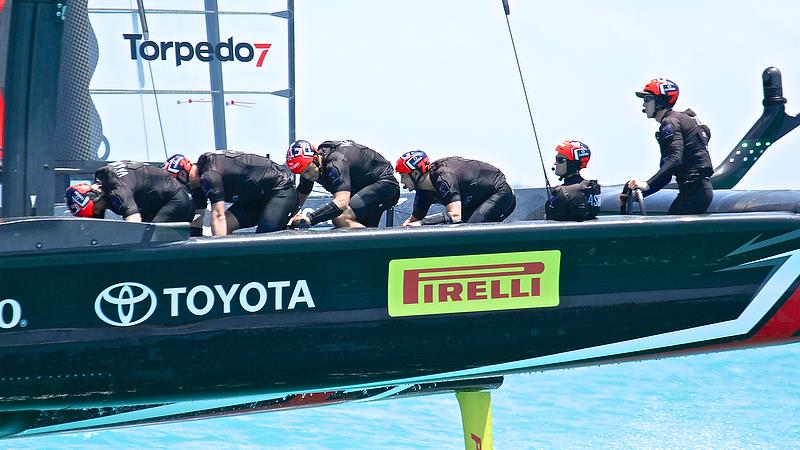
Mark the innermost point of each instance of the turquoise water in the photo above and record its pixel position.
(741, 399)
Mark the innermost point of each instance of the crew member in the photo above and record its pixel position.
(261, 191)
(471, 191)
(577, 199)
(684, 150)
(361, 180)
(133, 190)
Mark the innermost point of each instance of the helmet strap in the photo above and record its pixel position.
(416, 177)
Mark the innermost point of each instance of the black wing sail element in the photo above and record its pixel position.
(773, 124)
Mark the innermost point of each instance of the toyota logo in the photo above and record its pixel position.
(126, 297)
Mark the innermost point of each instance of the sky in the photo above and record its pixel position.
(440, 76)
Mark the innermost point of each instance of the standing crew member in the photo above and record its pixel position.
(684, 150)
(133, 190)
(262, 191)
(361, 180)
(577, 199)
(471, 191)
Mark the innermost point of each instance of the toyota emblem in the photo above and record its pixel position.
(125, 304)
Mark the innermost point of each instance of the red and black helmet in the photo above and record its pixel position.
(665, 92)
(80, 199)
(413, 160)
(575, 151)
(300, 155)
(178, 163)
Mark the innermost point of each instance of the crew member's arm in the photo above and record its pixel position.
(422, 203)
(447, 187)
(555, 207)
(219, 226)
(672, 138)
(123, 204)
(303, 189)
(411, 222)
(301, 199)
(338, 174)
(214, 190)
(118, 194)
(451, 215)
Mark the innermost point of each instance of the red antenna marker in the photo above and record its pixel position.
(193, 100)
(239, 103)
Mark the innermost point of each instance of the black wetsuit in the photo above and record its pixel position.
(481, 188)
(368, 176)
(684, 154)
(262, 191)
(133, 187)
(576, 200)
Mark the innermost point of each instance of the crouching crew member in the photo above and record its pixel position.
(133, 190)
(471, 191)
(361, 180)
(683, 142)
(261, 191)
(577, 199)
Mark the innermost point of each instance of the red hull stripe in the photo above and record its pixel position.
(307, 400)
(785, 323)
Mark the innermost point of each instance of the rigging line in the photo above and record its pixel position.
(527, 102)
(143, 18)
(137, 24)
(144, 126)
(399, 209)
(158, 110)
(146, 34)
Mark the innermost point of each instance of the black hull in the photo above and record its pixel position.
(625, 288)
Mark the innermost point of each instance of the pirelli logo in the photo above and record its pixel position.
(459, 284)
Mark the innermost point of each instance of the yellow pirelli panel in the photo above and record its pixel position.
(472, 283)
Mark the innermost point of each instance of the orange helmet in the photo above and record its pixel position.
(300, 155)
(80, 199)
(575, 151)
(176, 164)
(665, 92)
(410, 161)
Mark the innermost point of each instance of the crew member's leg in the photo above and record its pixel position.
(368, 204)
(496, 208)
(277, 210)
(177, 209)
(693, 198)
(242, 216)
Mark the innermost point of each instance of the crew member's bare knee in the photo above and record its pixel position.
(347, 220)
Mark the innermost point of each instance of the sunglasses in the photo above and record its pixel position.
(561, 159)
(648, 98)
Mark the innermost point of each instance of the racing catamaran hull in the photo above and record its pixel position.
(145, 317)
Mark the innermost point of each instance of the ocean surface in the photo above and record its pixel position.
(740, 399)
